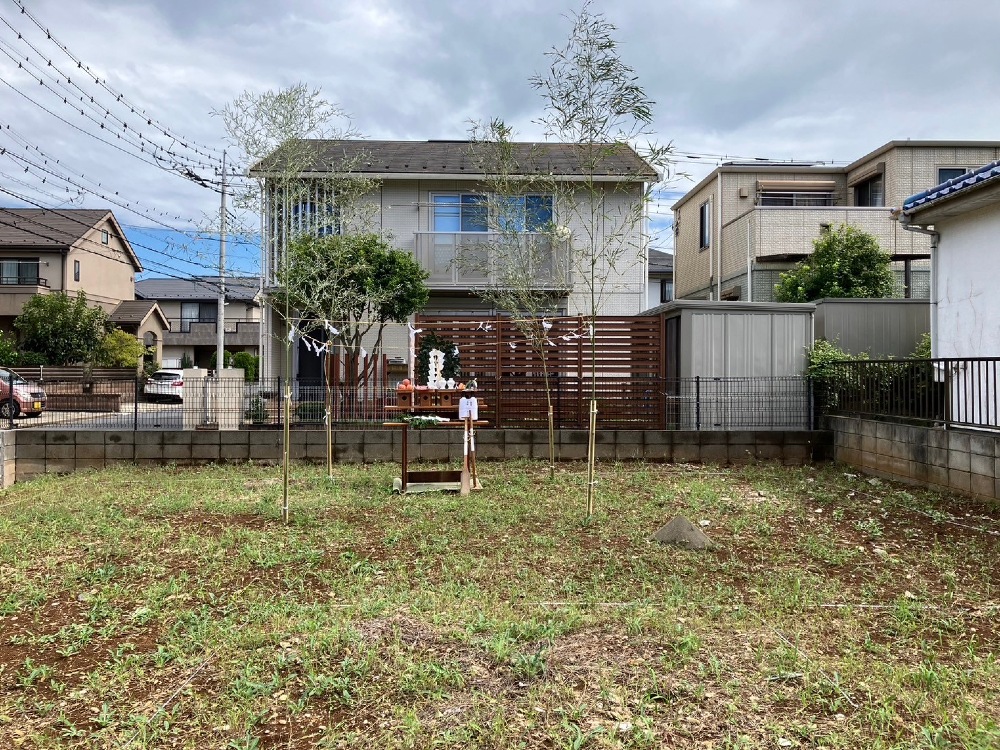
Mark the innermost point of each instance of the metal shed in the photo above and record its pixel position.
(738, 365)
(881, 327)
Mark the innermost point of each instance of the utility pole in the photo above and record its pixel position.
(220, 323)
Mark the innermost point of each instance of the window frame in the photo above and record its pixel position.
(865, 185)
(76, 270)
(105, 237)
(705, 225)
(666, 290)
(471, 211)
(952, 168)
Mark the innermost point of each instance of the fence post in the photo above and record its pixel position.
(281, 400)
(10, 397)
(135, 404)
(813, 413)
(948, 396)
(697, 402)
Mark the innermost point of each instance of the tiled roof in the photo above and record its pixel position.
(39, 227)
(243, 289)
(131, 313)
(467, 157)
(660, 262)
(952, 187)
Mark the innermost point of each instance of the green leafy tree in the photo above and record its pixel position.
(845, 262)
(120, 349)
(358, 283)
(63, 329)
(249, 363)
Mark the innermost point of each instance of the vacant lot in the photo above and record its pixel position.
(172, 608)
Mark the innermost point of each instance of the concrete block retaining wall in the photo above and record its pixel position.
(964, 461)
(50, 451)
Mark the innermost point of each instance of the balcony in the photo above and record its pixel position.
(474, 260)
(192, 332)
(779, 233)
(19, 282)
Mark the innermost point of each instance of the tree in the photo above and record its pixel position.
(277, 134)
(593, 100)
(525, 261)
(120, 349)
(845, 262)
(357, 282)
(66, 331)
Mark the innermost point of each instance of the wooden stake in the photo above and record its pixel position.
(465, 487)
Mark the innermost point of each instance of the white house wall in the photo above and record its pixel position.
(968, 306)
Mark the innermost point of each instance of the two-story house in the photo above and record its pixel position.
(191, 306)
(429, 198)
(63, 250)
(745, 223)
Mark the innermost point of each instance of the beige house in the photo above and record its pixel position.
(745, 223)
(191, 307)
(144, 320)
(430, 201)
(63, 250)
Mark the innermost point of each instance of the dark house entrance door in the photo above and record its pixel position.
(310, 366)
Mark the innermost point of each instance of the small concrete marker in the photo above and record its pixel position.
(683, 533)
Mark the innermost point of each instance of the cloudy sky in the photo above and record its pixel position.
(782, 79)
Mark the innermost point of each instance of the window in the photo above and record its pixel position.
(315, 217)
(530, 213)
(705, 225)
(666, 290)
(871, 192)
(795, 198)
(105, 238)
(950, 173)
(460, 212)
(197, 312)
(19, 271)
(76, 270)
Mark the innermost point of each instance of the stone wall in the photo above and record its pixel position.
(51, 451)
(963, 461)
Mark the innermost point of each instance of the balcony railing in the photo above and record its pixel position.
(23, 279)
(471, 260)
(230, 325)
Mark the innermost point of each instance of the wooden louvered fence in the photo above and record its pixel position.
(630, 369)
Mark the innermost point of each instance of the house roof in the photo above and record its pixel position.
(130, 314)
(56, 229)
(964, 185)
(660, 263)
(243, 289)
(425, 158)
(819, 168)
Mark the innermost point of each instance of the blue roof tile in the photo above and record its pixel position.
(953, 186)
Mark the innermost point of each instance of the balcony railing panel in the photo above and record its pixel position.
(470, 260)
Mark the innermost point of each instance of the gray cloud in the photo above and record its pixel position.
(773, 78)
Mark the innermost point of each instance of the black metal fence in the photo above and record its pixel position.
(517, 402)
(945, 392)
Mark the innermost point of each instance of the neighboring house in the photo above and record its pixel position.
(745, 223)
(660, 288)
(144, 320)
(961, 220)
(191, 307)
(63, 250)
(429, 200)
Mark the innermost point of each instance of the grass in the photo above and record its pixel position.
(171, 608)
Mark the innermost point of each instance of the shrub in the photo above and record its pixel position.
(310, 411)
(256, 412)
(249, 363)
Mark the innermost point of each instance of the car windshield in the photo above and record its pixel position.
(18, 380)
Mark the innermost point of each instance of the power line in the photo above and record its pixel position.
(119, 97)
(88, 226)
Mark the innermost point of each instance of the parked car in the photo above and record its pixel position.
(29, 398)
(164, 385)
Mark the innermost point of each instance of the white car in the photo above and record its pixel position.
(164, 385)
